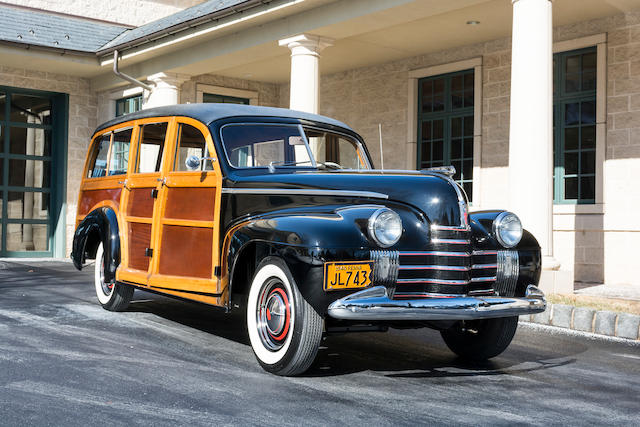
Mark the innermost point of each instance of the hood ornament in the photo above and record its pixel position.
(445, 170)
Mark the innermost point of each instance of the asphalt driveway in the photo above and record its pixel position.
(66, 361)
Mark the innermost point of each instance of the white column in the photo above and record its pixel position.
(166, 90)
(305, 72)
(531, 125)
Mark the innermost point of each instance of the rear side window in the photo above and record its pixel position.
(152, 138)
(98, 163)
(120, 152)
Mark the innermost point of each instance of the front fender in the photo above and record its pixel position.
(99, 226)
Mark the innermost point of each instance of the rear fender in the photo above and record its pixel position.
(99, 226)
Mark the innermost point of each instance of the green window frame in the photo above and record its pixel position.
(128, 105)
(574, 130)
(445, 124)
(223, 99)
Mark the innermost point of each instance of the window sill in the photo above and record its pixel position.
(593, 209)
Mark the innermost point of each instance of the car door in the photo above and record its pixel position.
(186, 226)
(140, 198)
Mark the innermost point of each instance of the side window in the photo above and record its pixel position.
(191, 142)
(152, 138)
(332, 148)
(120, 152)
(98, 164)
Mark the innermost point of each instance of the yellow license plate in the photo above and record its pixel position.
(347, 275)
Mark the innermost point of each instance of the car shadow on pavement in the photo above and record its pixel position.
(397, 354)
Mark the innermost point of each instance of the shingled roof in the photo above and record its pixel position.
(37, 28)
(195, 13)
(42, 28)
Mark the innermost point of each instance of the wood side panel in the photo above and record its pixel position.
(186, 251)
(140, 202)
(139, 240)
(90, 198)
(190, 203)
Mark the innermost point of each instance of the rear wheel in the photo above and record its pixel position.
(284, 330)
(112, 296)
(480, 339)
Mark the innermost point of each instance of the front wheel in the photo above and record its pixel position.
(479, 340)
(112, 296)
(284, 330)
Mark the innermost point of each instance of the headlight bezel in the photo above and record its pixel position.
(499, 224)
(373, 227)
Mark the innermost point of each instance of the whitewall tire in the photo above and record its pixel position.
(284, 330)
(112, 296)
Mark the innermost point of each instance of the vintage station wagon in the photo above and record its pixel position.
(281, 213)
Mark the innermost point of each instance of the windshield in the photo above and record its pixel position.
(275, 145)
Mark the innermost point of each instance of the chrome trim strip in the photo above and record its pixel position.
(434, 281)
(483, 279)
(507, 272)
(434, 267)
(451, 241)
(479, 266)
(481, 291)
(375, 304)
(427, 295)
(436, 227)
(306, 192)
(435, 253)
(485, 253)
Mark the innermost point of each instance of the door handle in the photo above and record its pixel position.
(124, 184)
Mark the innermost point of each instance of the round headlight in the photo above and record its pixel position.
(385, 227)
(508, 229)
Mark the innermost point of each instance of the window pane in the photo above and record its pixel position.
(589, 80)
(98, 165)
(152, 138)
(437, 151)
(223, 99)
(28, 205)
(573, 64)
(588, 137)
(467, 169)
(427, 96)
(426, 130)
(468, 147)
(128, 105)
(588, 162)
(425, 153)
(437, 129)
(571, 188)
(3, 103)
(468, 126)
(191, 143)
(456, 127)
(456, 149)
(588, 112)
(589, 61)
(30, 109)
(572, 82)
(587, 188)
(571, 113)
(570, 163)
(571, 138)
(29, 173)
(438, 95)
(29, 141)
(468, 188)
(120, 152)
(27, 237)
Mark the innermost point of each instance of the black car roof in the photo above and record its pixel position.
(207, 113)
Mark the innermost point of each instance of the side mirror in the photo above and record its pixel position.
(192, 163)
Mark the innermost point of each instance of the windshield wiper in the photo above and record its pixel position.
(272, 165)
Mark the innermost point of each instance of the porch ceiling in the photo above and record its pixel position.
(366, 32)
(418, 28)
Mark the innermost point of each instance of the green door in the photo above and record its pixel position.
(33, 145)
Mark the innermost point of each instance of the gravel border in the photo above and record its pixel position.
(584, 319)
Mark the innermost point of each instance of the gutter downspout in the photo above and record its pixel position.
(126, 76)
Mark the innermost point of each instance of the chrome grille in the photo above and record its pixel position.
(507, 272)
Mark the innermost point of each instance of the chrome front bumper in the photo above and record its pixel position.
(375, 304)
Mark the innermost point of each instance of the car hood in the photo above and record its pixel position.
(435, 195)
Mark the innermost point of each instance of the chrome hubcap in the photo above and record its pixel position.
(273, 314)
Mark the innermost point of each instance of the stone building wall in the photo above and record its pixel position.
(268, 93)
(82, 122)
(128, 12)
